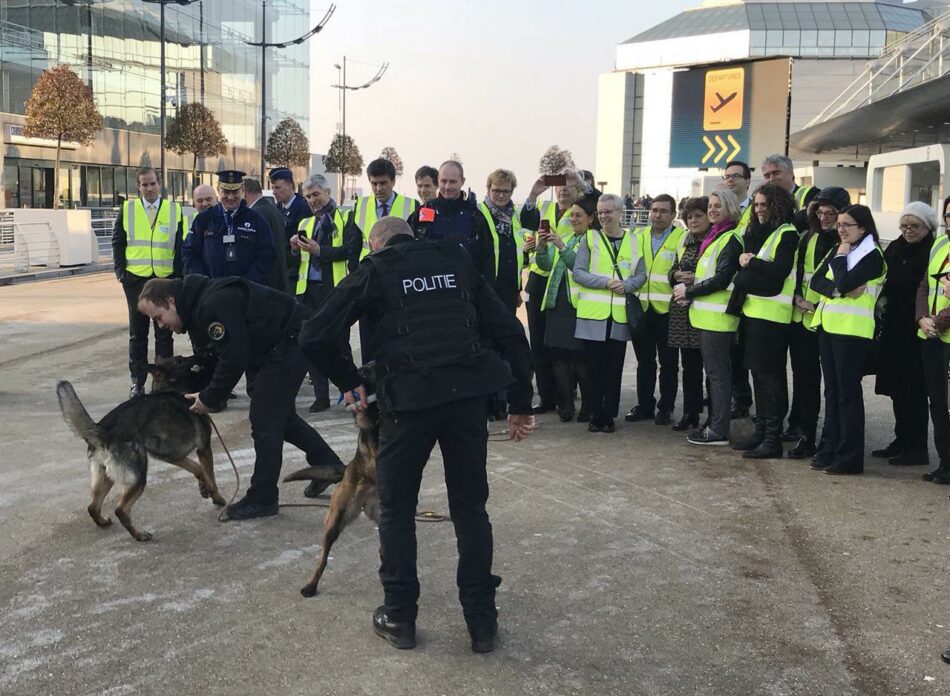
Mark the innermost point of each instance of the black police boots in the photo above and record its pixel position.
(401, 635)
(753, 440)
(771, 445)
(248, 508)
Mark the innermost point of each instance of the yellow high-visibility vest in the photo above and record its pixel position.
(708, 312)
(848, 316)
(150, 247)
(515, 230)
(572, 288)
(563, 228)
(939, 263)
(810, 265)
(777, 308)
(600, 303)
(658, 290)
(340, 268)
(365, 215)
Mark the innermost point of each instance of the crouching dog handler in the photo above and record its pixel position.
(437, 326)
(246, 327)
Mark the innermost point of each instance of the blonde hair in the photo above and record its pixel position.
(502, 176)
(730, 204)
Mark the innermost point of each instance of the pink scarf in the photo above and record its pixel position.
(714, 232)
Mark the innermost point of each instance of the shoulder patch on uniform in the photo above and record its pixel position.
(247, 224)
(216, 331)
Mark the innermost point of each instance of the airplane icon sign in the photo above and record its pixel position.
(722, 106)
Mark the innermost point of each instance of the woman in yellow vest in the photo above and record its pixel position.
(501, 238)
(765, 287)
(556, 256)
(933, 318)
(606, 268)
(708, 297)
(849, 281)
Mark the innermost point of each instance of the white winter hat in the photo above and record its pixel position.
(922, 212)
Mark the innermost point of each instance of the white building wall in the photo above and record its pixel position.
(614, 131)
(815, 83)
(687, 50)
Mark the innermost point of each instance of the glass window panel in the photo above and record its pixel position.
(791, 38)
(877, 39)
(809, 38)
(842, 37)
(826, 38)
(773, 37)
(108, 187)
(757, 38)
(11, 185)
(861, 38)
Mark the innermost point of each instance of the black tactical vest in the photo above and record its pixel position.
(428, 318)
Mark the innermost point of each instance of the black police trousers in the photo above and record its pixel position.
(406, 440)
(274, 421)
(313, 298)
(138, 331)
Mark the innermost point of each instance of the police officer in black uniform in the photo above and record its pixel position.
(292, 207)
(436, 322)
(230, 239)
(250, 328)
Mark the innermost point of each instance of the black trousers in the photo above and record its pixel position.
(910, 420)
(936, 357)
(741, 388)
(313, 299)
(842, 365)
(605, 373)
(138, 331)
(406, 440)
(652, 342)
(771, 396)
(274, 421)
(570, 368)
(540, 355)
(692, 359)
(806, 379)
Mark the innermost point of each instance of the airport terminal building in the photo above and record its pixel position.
(737, 79)
(114, 46)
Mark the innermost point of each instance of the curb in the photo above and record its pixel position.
(54, 273)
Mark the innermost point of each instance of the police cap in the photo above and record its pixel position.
(278, 173)
(230, 179)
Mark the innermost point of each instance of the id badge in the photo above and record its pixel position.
(228, 239)
(230, 252)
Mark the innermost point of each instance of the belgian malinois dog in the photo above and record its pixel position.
(357, 491)
(158, 424)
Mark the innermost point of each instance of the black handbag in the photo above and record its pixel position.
(634, 308)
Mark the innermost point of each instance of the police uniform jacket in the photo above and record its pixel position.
(265, 207)
(296, 210)
(440, 332)
(457, 220)
(206, 249)
(120, 242)
(239, 324)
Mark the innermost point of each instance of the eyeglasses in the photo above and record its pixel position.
(732, 177)
(827, 213)
(909, 228)
(501, 192)
(845, 225)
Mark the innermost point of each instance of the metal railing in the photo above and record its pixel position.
(33, 244)
(103, 220)
(918, 58)
(636, 217)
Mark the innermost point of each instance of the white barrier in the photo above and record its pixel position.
(49, 238)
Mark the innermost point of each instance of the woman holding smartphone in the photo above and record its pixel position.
(607, 266)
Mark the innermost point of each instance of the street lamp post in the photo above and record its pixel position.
(161, 69)
(343, 87)
(281, 44)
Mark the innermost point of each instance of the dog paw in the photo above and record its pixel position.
(143, 536)
(99, 519)
(218, 500)
(308, 591)
(205, 493)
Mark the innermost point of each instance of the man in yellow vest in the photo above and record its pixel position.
(327, 250)
(146, 243)
(658, 244)
(778, 169)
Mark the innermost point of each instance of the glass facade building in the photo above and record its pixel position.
(114, 46)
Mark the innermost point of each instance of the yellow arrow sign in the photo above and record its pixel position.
(737, 146)
(710, 149)
(722, 151)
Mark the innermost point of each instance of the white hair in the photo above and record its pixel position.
(613, 198)
(317, 181)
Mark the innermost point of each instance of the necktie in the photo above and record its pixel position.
(151, 212)
(385, 210)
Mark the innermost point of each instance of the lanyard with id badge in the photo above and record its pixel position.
(230, 249)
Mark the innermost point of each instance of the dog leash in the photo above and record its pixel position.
(424, 516)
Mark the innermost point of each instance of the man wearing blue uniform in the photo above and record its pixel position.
(230, 239)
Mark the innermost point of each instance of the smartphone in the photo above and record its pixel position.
(545, 227)
(554, 179)
(302, 232)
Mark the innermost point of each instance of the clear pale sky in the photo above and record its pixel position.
(495, 81)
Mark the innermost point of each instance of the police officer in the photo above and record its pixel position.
(436, 319)
(146, 243)
(230, 239)
(249, 328)
(293, 208)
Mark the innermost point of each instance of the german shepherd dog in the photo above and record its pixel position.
(159, 424)
(357, 491)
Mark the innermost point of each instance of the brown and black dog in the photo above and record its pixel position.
(158, 424)
(357, 491)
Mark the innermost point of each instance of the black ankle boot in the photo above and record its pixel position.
(771, 445)
(689, 420)
(753, 440)
(804, 449)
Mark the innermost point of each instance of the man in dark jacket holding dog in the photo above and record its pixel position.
(437, 327)
(249, 328)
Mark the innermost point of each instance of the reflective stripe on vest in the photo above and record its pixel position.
(936, 300)
(515, 230)
(800, 194)
(365, 215)
(850, 317)
(563, 227)
(777, 308)
(807, 293)
(573, 289)
(339, 267)
(744, 221)
(658, 291)
(189, 223)
(600, 303)
(150, 248)
(708, 312)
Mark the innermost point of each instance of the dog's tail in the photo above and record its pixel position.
(76, 416)
(320, 472)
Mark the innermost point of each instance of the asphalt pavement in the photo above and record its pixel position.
(632, 563)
